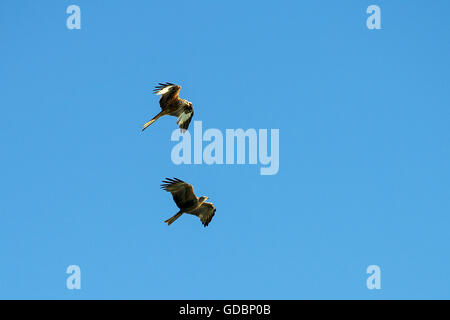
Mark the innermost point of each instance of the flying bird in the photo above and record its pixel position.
(187, 201)
(171, 104)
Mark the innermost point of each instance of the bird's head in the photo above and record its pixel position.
(202, 199)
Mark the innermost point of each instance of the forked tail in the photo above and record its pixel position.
(175, 217)
(159, 115)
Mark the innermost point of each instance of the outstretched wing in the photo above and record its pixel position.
(182, 192)
(185, 117)
(168, 92)
(205, 212)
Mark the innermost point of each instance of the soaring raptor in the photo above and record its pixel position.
(185, 199)
(171, 104)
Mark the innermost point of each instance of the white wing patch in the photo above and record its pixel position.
(163, 90)
(183, 117)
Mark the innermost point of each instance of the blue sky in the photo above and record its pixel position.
(364, 149)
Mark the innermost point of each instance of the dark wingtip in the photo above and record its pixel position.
(168, 181)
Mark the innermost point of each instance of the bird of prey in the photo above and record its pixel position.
(171, 104)
(186, 200)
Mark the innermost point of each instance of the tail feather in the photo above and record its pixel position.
(172, 219)
(159, 115)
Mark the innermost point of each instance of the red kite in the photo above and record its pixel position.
(171, 104)
(186, 200)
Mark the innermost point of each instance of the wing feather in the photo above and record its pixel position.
(205, 212)
(168, 92)
(185, 117)
(182, 192)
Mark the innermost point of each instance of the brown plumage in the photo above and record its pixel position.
(187, 201)
(171, 104)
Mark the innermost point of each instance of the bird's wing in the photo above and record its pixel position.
(205, 212)
(168, 92)
(185, 117)
(182, 192)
